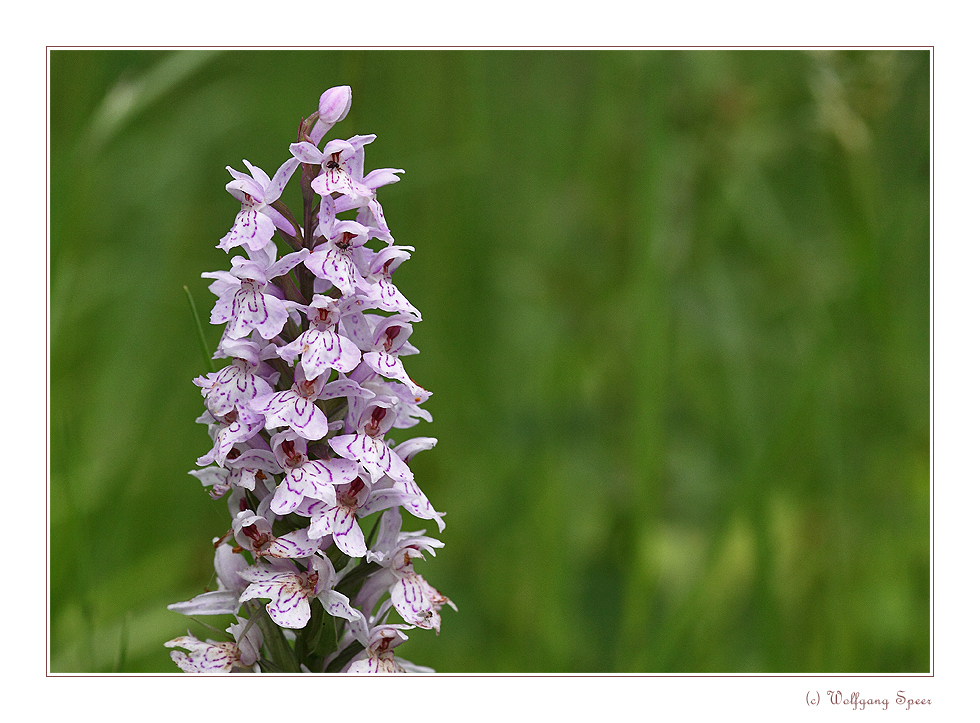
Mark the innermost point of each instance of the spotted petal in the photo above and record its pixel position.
(322, 350)
(418, 602)
(253, 309)
(391, 367)
(203, 657)
(252, 229)
(330, 263)
(289, 592)
(290, 409)
(338, 605)
(236, 384)
(295, 544)
(314, 479)
(341, 522)
(373, 454)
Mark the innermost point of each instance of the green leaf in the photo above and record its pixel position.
(345, 657)
(275, 642)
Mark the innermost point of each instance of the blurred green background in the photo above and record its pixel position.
(676, 326)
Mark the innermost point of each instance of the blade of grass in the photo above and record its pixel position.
(200, 331)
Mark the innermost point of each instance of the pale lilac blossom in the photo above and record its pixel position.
(332, 259)
(290, 592)
(251, 303)
(314, 479)
(389, 492)
(342, 170)
(294, 407)
(219, 657)
(321, 348)
(235, 385)
(368, 448)
(395, 551)
(205, 656)
(378, 656)
(378, 639)
(339, 518)
(377, 288)
(239, 425)
(256, 223)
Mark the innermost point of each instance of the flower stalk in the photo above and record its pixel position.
(314, 334)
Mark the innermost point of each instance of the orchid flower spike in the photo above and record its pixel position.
(314, 564)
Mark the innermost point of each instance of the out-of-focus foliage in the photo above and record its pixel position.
(676, 323)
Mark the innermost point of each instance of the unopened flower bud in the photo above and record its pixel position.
(334, 106)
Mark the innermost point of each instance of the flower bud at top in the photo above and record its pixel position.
(334, 105)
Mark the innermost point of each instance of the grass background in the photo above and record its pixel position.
(676, 323)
